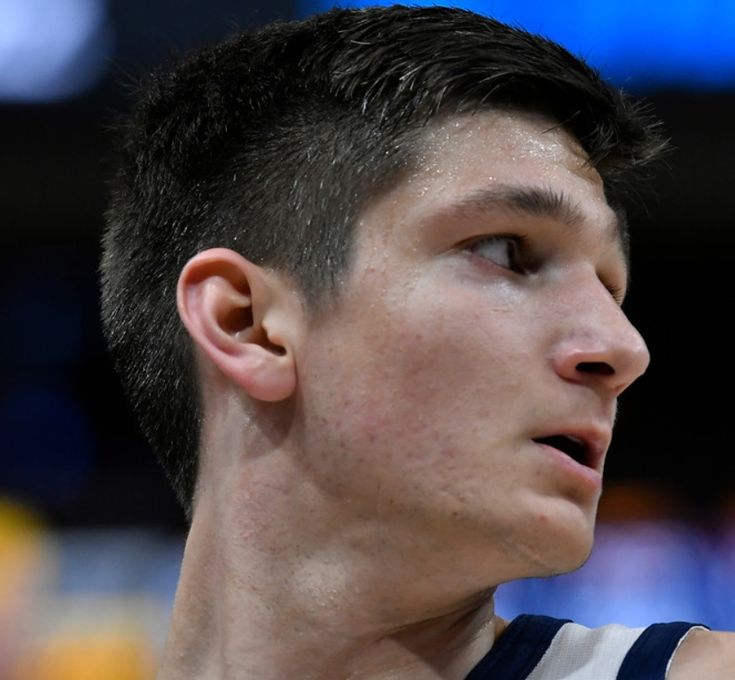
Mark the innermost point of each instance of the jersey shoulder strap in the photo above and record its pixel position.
(519, 649)
(651, 655)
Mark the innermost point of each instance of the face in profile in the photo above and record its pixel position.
(460, 397)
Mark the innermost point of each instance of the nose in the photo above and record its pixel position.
(600, 347)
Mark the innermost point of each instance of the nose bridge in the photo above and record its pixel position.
(600, 342)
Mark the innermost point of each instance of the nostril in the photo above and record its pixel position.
(595, 367)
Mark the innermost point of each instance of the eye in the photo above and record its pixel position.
(504, 250)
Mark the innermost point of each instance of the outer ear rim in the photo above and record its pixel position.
(255, 353)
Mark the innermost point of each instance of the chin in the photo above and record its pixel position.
(557, 563)
(559, 547)
(574, 559)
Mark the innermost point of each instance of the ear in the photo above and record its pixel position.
(244, 319)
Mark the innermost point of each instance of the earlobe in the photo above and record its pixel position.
(240, 317)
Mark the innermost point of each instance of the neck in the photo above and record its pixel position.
(266, 605)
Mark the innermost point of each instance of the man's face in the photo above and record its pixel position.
(478, 321)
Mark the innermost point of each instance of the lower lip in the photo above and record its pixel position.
(583, 475)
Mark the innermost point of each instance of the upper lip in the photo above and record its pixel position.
(595, 439)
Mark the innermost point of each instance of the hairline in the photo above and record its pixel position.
(516, 195)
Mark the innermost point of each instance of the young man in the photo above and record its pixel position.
(362, 279)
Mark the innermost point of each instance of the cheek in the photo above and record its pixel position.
(433, 380)
(460, 362)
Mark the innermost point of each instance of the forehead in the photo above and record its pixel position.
(465, 161)
(524, 144)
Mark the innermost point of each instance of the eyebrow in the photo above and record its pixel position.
(543, 202)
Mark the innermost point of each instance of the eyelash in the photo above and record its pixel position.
(522, 246)
(616, 292)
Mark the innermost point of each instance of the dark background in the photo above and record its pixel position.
(69, 447)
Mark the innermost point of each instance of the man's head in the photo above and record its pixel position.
(275, 145)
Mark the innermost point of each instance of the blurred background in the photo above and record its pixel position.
(90, 534)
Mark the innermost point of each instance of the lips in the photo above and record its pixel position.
(585, 446)
(574, 447)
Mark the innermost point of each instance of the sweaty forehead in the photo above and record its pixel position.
(502, 137)
(494, 159)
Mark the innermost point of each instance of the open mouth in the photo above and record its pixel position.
(575, 448)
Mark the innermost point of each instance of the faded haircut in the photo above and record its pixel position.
(270, 144)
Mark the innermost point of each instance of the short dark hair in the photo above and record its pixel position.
(271, 142)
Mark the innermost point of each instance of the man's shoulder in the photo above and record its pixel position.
(704, 654)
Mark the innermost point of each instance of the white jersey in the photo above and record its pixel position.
(544, 648)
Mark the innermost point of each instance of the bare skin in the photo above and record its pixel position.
(704, 654)
(369, 477)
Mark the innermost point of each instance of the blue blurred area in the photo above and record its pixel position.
(47, 439)
(43, 314)
(48, 443)
(51, 49)
(641, 45)
(59, 50)
(639, 572)
(56, 49)
(104, 562)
